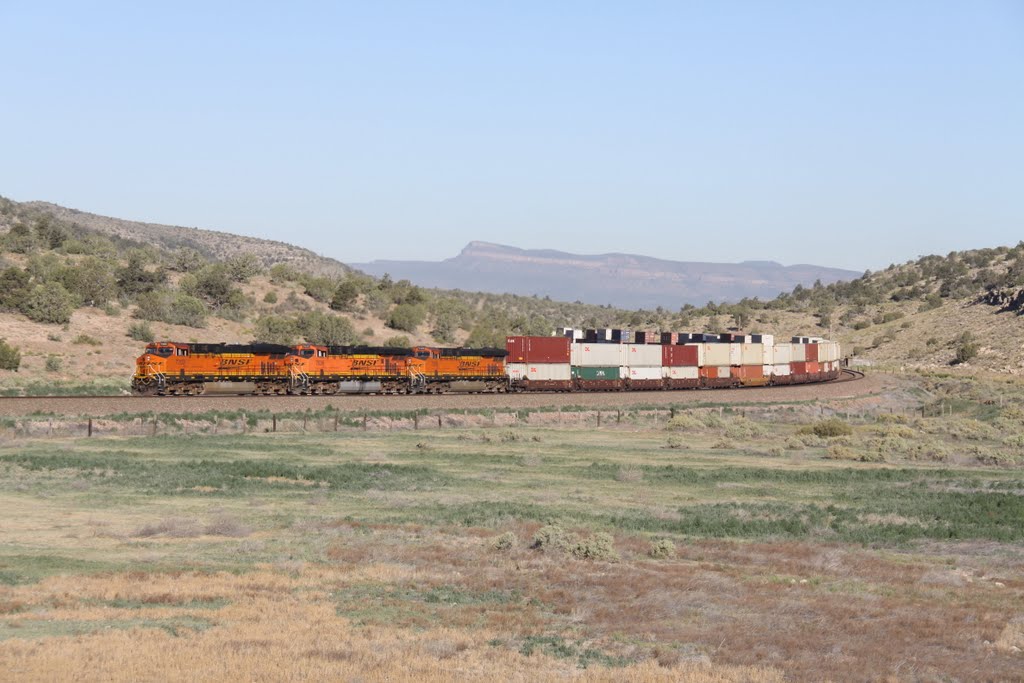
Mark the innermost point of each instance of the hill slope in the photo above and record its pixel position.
(212, 244)
(625, 280)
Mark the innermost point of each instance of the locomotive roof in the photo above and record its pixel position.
(240, 348)
(368, 351)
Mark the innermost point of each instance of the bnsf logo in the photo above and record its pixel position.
(469, 364)
(233, 362)
(366, 363)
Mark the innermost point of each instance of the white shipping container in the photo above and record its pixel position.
(799, 353)
(768, 339)
(649, 372)
(723, 371)
(682, 372)
(598, 355)
(751, 354)
(780, 369)
(783, 353)
(548, 372)
(643, 355)
(716, 354)
(515, 371)
(735, 354)
(768, 354)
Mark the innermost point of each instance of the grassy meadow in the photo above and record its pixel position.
(711, 547)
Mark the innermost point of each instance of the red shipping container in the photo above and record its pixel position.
(679, 356)
(813, 367)
(537, 349)
(812, 352)
(798, 368)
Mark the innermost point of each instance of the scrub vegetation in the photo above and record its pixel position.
(767, 544)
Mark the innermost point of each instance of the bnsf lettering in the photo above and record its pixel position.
(469, 364)
(364, 363)
(233, 362)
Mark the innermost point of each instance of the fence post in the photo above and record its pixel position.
(415, 420)
(90, 426)
(273, 418)
(598, 419)
(439, 420)
(364, 422)
(335, 421)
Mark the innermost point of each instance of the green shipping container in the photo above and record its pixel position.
(606, 372)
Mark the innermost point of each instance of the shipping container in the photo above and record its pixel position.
(812, 352)
(597, 373)
(735, 354)
(682, 372)
(799, 353)
(748, 371)
(751, 354)
(544, 372)
(669, 337)
(538, 349)
(712, 371)
(783, 353)
(645, 373)
(643, 354)
(768, 354)
(716, 354)
(798, 367)
(598, 355)
(781, 369)
(690, 354)
(515, 371)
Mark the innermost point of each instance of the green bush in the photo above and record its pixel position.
(10, 356)
(828, 429)
(406, 317)
(662, 549)
(600, 546)
(398, 341)
(966, 351)
(54, 363)
(86, 339)
(274, 329)
(345, 296)
(504, 542)
(141, 331)
(551, 537)
(321, 328)
(48, 303)
(270, 297)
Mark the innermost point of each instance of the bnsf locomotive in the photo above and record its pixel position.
(526, 364)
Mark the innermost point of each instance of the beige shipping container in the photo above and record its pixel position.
(540, 372)
(735, 354)
(799, 353)
(783, 353)
(723, 371)
(781, 369)
(682, 372)
(598, 355)
(643, 355)
(768, 354)
(647, 372)
(751, 354)
(716, 354)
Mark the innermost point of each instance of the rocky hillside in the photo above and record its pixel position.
(623, 280)
(211, 244)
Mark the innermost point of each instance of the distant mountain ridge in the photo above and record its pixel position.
(624, 280)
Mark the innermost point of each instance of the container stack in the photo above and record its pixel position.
(681, 363)
(598, 365)
(643, 365)
(539, 362)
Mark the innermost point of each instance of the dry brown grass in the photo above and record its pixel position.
(275, 628)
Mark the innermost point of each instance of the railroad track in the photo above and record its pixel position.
(846, 376)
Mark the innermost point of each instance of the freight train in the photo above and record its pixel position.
(558, 363)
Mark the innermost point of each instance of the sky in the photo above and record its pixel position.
(849, 134)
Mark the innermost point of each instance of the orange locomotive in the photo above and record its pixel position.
(322, 369)
(174, 368)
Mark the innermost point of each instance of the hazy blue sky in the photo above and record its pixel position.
(840, 133)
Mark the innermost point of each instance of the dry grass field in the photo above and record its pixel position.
(714, 547)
